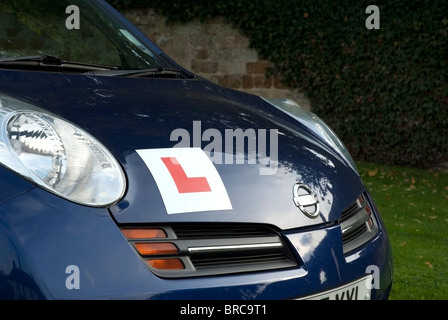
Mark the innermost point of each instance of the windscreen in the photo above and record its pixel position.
(72, 30)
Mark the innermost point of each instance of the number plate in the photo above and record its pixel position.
(357, 290)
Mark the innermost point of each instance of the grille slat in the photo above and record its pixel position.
(186, 232)
(352, 210)
(353, 235)
(233, 261)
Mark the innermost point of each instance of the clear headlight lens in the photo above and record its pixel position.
(315, 124)
(57, 155)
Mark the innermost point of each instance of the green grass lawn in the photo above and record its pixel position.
(414, 206)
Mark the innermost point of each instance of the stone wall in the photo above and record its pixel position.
(216, 51)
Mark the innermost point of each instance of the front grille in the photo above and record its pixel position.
(212, 249)
(358, 224)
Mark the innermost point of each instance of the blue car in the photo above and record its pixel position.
(125, 176)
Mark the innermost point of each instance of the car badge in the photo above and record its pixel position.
(306, 200)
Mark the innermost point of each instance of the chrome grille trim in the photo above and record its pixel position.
(235, 247)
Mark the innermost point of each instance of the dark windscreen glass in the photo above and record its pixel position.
(46, 27)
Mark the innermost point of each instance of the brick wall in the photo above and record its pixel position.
(214, 50)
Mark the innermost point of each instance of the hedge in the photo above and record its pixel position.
(384, 91)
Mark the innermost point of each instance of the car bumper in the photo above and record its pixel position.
(54, 249)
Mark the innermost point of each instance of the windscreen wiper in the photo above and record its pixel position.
(55, 63)
(159, 72)
(51, 61)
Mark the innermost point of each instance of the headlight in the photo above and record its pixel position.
(315, 124)
(57, 155)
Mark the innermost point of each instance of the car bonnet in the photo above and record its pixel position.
(169, 132)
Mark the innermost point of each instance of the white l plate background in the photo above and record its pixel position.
(195, 163)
